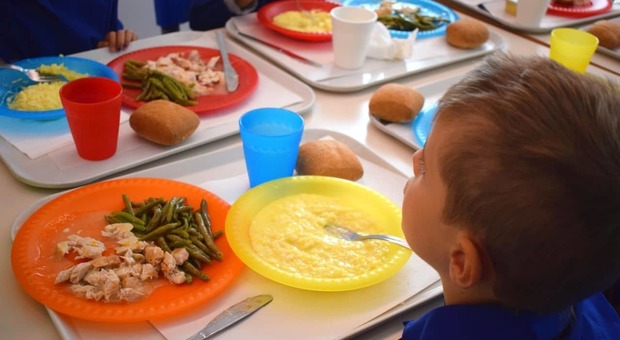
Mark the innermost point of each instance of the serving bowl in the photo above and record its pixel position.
(266, 14)
(384, 213)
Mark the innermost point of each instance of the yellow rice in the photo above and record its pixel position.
(38, 97)
(43, 96)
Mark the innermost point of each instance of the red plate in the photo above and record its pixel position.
(35, 265)
(596, 7)
(248, 77)
(266, 13)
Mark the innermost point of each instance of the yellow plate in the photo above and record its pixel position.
(385, 213)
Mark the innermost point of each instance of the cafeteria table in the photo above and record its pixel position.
(24, 318)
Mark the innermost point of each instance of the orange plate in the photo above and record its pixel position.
(219, 99)
(36, 266)
(266, 13)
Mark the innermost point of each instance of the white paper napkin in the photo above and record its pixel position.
(383, 46)
(36, 138)
(301, 314)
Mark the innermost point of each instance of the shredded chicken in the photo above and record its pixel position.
(125, 239)
(170, 269)
(124, 276)
(189, 69)
(180, 255)
(105, 261)
(85, 247)
(154, 255)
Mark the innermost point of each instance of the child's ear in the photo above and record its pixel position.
(465, 262)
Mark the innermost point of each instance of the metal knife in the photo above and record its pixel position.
(276, 47)
(230, 75)
(232, 315)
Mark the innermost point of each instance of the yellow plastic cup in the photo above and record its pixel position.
(572, 48)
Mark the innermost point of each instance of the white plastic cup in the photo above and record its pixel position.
(531, 12)
(351, 31)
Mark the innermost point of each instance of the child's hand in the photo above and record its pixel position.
(118, 40)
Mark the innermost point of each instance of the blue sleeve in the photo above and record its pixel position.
(115, 22)
(50, 27)
(209, 14)
(169, 13)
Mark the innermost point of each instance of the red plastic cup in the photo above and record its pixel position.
(93, 109)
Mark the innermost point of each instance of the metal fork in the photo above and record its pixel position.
(33, 74)
(305, 12)
(350, 235)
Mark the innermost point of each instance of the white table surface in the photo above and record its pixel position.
(24, 318)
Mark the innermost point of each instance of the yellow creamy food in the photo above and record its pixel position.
(288, 233)
(43, 96)
(313, 21)
(60, 69)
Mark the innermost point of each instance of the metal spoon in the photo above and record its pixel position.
(350, 235)
(33, 74)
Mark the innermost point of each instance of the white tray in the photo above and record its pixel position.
(408, 132)
(62, 168)
(495, 10)
(223, 165)
(429, 53)
(602, 50)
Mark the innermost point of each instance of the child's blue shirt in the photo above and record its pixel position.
(36, 28)
(593, 318)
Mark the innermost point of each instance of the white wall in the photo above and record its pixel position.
(139, 16)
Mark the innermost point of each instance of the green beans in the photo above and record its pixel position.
(159, 231)
(205, 216)
(208, 237)
(128, 205)
(134, 70)
(191, 269)
(156, 84)
(125, 217)
(171, 224)
(409, 21)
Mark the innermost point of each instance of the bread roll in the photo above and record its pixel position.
(328, 158)
(396, 103)
(164, 122)
(467, 33)
(607, 32)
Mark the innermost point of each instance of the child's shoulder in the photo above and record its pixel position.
(597, 319)
(591, 318)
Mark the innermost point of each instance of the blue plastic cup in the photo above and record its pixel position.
(271, 138)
